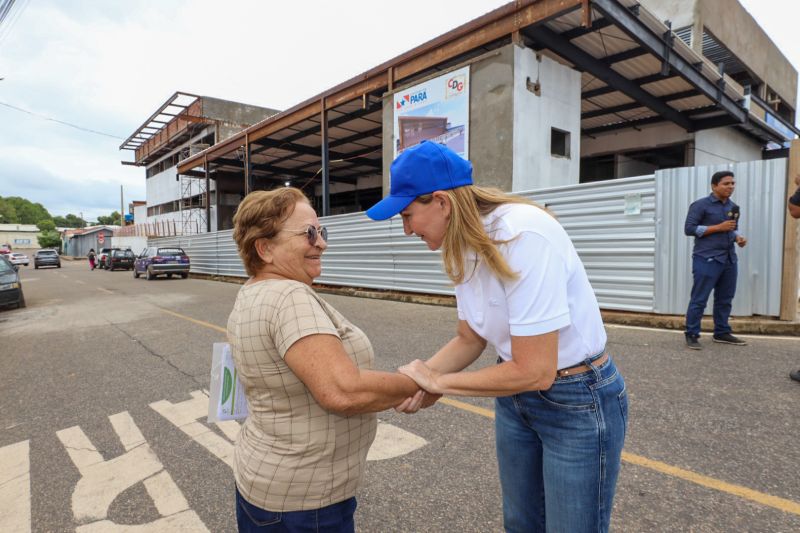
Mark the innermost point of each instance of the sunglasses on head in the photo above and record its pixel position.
(312, 233)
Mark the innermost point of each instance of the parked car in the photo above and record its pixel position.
(5, 249)
(17, 258)
(102, 256)
(120, 259)
(154, 261)
(46, 257)
(10, 285)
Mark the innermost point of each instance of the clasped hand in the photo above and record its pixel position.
(425, 377)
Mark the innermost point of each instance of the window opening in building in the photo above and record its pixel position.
(559, 142)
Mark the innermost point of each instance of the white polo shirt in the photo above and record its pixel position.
(551, 293)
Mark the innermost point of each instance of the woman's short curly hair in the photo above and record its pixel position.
(261, 215)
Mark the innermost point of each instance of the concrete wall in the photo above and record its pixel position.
(140, 214)
(176, 216)
(491, 119)
(17, 234)
(134, 243)
(558, 105)
(491, 97)
(742, 35)
(233, 117)
(652, 136)
(163, 187)
(724, 145)
(735, 28)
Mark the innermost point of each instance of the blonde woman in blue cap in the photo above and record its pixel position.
(561, 405)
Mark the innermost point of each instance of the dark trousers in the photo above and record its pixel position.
(708, 276)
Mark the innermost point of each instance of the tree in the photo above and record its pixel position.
(69, 221)
(46, 225)
(49, 239)
(8, 215)
(27, 212)
(114, 219)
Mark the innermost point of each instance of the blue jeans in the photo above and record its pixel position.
(558, 452)
(336, 518)
(708, 276)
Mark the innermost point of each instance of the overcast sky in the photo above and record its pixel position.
(106, 65)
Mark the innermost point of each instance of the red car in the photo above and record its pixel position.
(5, 249)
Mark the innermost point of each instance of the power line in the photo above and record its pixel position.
(89, 130)
(5, 32)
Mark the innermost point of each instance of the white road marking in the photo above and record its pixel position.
(185, 416)
(15, 487)
(81, 282)
(392, 441)
(102, 481)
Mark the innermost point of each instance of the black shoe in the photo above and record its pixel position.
(693, 342)
(795, 375)
(727, 338)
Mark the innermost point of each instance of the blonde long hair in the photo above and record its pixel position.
(465, 231)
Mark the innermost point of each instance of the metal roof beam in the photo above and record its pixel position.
(633, 105)
(624, 56)
(644, 80)
(315, 130)
(603, 72)
(629, 23)
(597, 24)
(622, 125)
(357, 136)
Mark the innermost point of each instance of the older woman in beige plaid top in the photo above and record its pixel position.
(301, 452)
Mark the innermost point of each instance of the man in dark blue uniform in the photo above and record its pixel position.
(713, 221)
(794, 211)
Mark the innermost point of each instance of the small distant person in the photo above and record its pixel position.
(794, 211)
(713, 222)
(92, 259)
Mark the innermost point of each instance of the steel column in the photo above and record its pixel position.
(208, 195)
(326, 200)
(248, 166)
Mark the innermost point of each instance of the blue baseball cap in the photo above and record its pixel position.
(421, 169)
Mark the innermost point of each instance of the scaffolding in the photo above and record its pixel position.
(194, 195)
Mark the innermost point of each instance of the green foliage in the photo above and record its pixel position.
(74, 221)
(8, 215)
(69, 221)
(114, 219)
(46, 225)
(50, 239)
(24, 211)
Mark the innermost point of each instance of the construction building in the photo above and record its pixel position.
(536, 94)
(185, 125)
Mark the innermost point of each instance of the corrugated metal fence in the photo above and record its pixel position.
(628, 232)
(618, 250)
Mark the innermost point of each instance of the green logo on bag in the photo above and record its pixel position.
(227, 386)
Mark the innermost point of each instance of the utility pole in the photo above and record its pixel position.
(121, 212)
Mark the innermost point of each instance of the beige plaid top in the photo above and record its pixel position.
(291, 454)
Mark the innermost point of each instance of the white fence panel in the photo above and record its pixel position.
(617, 249)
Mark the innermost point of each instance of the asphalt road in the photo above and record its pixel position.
(98, 425)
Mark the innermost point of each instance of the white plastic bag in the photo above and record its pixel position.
(226, 399)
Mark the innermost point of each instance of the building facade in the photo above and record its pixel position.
(183, 126)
